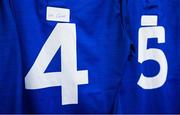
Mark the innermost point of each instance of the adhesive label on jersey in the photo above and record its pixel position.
(58, 14)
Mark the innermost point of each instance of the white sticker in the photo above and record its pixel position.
(58, 14)
(149, 20)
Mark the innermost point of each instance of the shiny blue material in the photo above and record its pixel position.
(131, 97)
(107, 46)
(101, 49)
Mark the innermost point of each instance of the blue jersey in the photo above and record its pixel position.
(11, 82)
(60, 56)
(89, 56)
(151, 79)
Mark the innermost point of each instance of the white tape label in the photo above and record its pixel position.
(58, 14)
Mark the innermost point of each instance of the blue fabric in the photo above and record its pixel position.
(11, 80)
(101, 47)
(107, 46)
(132, 98)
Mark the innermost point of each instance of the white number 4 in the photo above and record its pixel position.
(64, 36)
(152, 31)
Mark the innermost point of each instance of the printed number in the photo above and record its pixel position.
(64, 36)
(145, 33)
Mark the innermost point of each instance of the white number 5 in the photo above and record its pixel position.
(152, 31)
